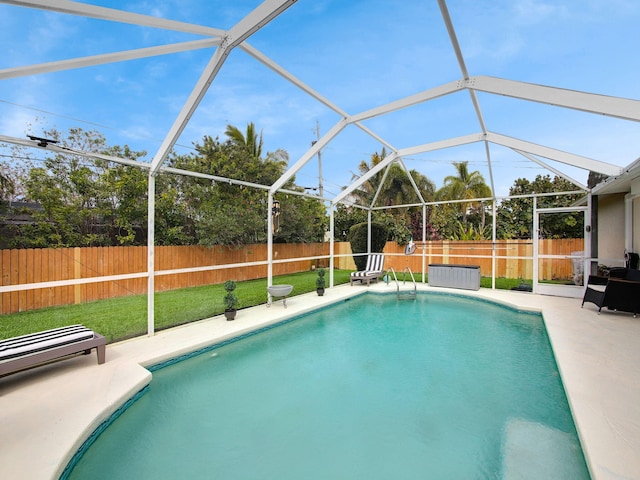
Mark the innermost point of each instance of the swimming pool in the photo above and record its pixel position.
(440, 387)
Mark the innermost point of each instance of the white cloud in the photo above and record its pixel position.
(536, 11)
(50, 32)
(14, 122)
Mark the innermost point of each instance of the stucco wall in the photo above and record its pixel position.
(635, 190)
(611, 229)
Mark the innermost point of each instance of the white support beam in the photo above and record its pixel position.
(409, 101)
(194, 99)
(309, 154)
(413, 182)
(550, 168)
(380, 185)
(442, 144)
(553, 154)
(111, 14)
(266, 61)
(93, 60)
(617, 107)
(52, 147)
(196, 96)
(307, 89)
(135, 163)
(453, 38)
(376, 137)
(487, 152)
(255, 20)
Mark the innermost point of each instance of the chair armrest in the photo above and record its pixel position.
(597, 280)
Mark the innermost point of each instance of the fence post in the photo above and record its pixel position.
(77, 273)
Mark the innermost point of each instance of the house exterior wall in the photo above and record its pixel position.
(635, 239)
(611, 229)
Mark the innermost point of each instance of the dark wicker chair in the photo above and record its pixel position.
(621, 291)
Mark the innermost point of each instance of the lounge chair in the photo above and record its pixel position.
(372, 271)
(620, 291)
(26, 351)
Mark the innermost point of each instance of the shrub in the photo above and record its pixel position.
(358, 240)
(230, 299)
(320, 279)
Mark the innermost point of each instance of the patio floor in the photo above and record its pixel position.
(48, 412)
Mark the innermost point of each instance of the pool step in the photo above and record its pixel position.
(534, 451)
(407, 295)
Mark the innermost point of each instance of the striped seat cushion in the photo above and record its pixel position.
(365, 274)
(38, 342)
(375, 261)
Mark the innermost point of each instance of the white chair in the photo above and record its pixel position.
(373, 270)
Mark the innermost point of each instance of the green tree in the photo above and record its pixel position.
(250, 140)
(464, 186)
(303, 219)
(227, 214)
(173, 224)
(515, 215)
(222, 213)
(344, 218)
(395, 189)
(358, 237)
(124, 206)
(67, 189)
(86, 201)
(83, 201)
(365, 193)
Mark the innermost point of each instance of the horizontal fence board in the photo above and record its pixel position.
(26, 266)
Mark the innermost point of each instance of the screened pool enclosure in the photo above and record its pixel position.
(451, 90)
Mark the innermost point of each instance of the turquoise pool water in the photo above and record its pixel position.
(443, 387)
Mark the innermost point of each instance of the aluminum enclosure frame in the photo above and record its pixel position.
(224, 42)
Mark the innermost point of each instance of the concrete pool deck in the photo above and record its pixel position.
(48, 412)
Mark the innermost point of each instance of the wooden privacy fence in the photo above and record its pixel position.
(513, 257)
(89, 269)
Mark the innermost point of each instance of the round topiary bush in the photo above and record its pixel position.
(358, 239)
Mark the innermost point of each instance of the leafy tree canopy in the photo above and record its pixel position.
(226, 214)
(84, 201)
(515, 215)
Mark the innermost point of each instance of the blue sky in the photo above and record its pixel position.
(359, 54)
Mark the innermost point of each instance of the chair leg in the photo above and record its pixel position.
(101, 353)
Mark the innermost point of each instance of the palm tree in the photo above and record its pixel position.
(397, 189)
(249, 140)
(465, 186)
(368, 189)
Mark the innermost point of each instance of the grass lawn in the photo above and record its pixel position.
(126, 317)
